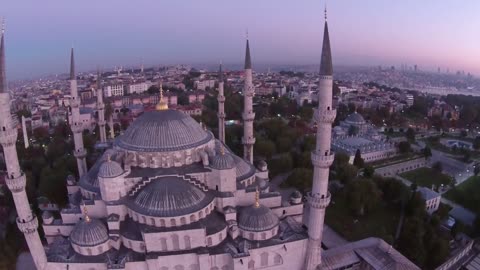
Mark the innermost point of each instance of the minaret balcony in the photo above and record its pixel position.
(221, 98)
(77, 128)
(325, 116)
(248, 116)
(80, 153)
(322, 160)
(319, 201)
(100, 106)
(248, 141)
(16, 184)
(102, 123)
(221, 115)
(8, 137)
(27, 227)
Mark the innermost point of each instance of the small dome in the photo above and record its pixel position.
(355, 118)
(46, 214)
(88, 233)
(169, 197)
(110, 169)
(257, 219)
(296, 194)
(243, 169)
(222, 162)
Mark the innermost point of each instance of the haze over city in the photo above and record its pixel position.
(430, 33)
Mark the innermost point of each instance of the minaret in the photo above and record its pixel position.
(24, 131)
(221, 106)
(248, 115)
(322, 157)
(101, 110)
(76, 126)
(16, 181)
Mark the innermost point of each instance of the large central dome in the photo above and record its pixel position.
(163, 131)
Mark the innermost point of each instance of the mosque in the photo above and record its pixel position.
(354, 133)
(168, 195)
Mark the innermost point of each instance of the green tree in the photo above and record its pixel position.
(410, 135)
(476, 169)
(300, 178)
(283, 144)
(427, 152)
(410, 242)
(358, 160)
(368, 171)
(404, 147)
(265, 148)
(281, 164)
(476, 143)
(437, 166)
(347, 173)
(363, 195)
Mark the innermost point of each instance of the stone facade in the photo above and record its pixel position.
(390, 170)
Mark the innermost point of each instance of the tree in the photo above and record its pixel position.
(347, 173)
(476, 169)
(362, 195)
(265, 147)
(368, 171)
(393, 190)
(415, 206)
(282, 164)
(437, 166)
(410, 134)
(404, 147)
(283, 144)
(410, 242)
(358, 160)
(427, 152)
(457, 228)
(300, 178)
(476, 143)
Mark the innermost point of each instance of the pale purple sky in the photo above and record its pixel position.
(430, 33)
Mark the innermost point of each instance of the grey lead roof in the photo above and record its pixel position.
(162, 131)
(89, 233)
(110, 169)
(257, 219)
(248, 60)
(355, 118)
(169, 196)
(326, 67)
(222, 161)
(3, 76)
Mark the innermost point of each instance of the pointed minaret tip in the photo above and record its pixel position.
(325, 11)
(326, 67)
(72, 65)
(3, 77)
(220, 73)
(3, 26)
(248, 60)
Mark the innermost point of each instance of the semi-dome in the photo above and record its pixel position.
(222, 162)
(169, 197)
(163, 131)
(88, 233)
(355, 118)
(110, 169)
(257, 219)
(243, 169)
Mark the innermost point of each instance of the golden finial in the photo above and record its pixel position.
(3, 25)
(162, 104)
(257, 198)
(85, 213)
(325, 11)
(109, 158)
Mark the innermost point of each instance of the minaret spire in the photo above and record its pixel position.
(75, 123)
(15, 179)
(248, 115)
(322, 157)
(3, 77)
(101, 109)
(221, 106)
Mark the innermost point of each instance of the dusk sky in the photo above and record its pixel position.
(430, 33)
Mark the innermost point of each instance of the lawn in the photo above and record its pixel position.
(426, 177)
(467, 194)
(381, 222)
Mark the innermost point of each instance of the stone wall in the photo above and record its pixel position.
(391, 170)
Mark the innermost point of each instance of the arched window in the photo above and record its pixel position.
(188, 245)
(163, 244)
(200, 214)
(172, 222)
(251, 264)
(152, 221)
(264, 236)
(194, 267)
(225, 267)
(264, 259)
(178, 267)
(193, 218)
(162, 222)
(220, 238)
(209, 241)
(175, 242)
(89, 251)
(183, 221)
(277, 259)
(100, 249)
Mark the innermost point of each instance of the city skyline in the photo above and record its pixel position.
(429, 34)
